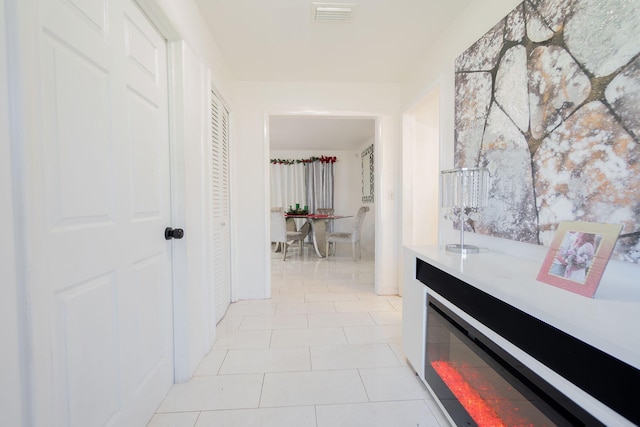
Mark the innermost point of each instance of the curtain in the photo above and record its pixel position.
(308, 182)
(287, 184)
(319, 182)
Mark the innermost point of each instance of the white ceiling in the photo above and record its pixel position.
(276, 40)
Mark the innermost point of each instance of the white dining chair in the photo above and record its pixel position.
(353, 237)
(280, 235)
(327, 211)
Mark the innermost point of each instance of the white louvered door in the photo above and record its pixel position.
(220, 194)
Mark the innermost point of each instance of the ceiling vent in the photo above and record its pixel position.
(332, 12)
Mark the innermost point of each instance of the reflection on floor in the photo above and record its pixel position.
(324, 351)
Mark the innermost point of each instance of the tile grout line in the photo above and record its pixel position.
(264, 377)
(226, 354)
(364, 387)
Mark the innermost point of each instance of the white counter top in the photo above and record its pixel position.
(610, 322)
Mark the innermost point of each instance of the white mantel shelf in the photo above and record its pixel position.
(610, 321)
(609, 324)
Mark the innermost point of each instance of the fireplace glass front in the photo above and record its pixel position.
(478, 387)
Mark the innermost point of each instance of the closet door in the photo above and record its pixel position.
(220, 195)
(101, 295)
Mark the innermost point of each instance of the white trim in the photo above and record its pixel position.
(178, 254)
(233, 229)
(267, 208)
(14, 391)
(379, 263)
(26, 160)
(208, 206)
(159, 19)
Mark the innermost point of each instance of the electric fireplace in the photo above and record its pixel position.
(480, 385)
(496, 347)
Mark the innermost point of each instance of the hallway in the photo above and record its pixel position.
(324, 351)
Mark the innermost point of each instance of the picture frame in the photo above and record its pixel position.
(578, 256)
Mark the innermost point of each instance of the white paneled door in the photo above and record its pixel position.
(221, 216)
(102, 308)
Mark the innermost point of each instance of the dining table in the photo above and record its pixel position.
(318, 228)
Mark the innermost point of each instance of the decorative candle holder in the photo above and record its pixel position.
(464, 192)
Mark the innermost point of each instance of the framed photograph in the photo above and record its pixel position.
(578, 256)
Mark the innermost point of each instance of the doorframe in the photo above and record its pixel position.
(173, 39)
(15, 390)
(377, 118)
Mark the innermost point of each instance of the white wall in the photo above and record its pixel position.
(421, 171)
(469, 26)
(250, 159)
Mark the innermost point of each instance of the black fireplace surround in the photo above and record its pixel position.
(606, 378)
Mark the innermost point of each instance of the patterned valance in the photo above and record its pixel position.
(321, 159)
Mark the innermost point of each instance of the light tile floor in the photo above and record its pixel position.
(324, 351)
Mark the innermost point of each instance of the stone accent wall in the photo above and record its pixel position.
(549, 101)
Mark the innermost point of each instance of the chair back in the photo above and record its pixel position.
(357, 225)
(324, 211)
(278, 225)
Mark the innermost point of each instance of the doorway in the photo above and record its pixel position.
(296, 136)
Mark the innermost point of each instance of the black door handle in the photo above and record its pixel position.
(173, 233)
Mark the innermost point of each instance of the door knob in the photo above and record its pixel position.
(173, 233)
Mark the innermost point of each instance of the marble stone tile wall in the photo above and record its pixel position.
(549, 101)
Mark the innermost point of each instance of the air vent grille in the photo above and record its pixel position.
(332, 12)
